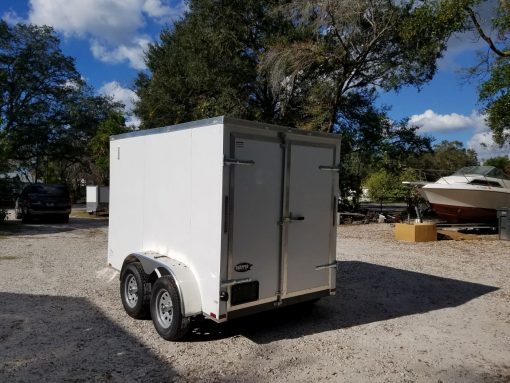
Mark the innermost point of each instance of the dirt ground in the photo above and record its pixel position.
(404, 312)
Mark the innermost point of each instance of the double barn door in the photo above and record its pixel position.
(283, 216)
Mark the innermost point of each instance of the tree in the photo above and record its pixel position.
(494, 92)
(501, 162)
(384, 186)
(342, 48)
(70, 159)
(223, 55)
(379, 185)
(495, 95)
(48, 115)
(206, 65)
(100, 144)
(371, 141)
(296, 65)
(446, 158)
(35, 81)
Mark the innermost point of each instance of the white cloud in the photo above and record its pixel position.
(430, 122)
(133, 53)
(11, 17)
(125, 96)
(133, 121)
(119, 93)
(156, 9)
(112, 26)
(483, 144)
(481, 141)
(115, 21)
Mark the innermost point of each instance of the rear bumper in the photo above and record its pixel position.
(272, 305)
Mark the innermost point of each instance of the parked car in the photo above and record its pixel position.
(43, 201)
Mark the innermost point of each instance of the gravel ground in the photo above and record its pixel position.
(404, 312)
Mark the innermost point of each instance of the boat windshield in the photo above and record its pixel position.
(488, 171)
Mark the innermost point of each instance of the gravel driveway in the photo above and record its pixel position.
(404, 312)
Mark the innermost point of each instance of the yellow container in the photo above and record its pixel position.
(417, 232)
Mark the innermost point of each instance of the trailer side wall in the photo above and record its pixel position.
(166, 197)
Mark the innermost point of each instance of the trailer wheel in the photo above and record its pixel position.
(166, 310)
(135, 298)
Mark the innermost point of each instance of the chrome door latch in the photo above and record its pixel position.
(289, 219)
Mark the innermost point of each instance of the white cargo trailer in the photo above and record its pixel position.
(97, 198)
(221, 218)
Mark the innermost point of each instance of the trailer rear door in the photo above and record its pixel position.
(308, 252)
(282, 223)
(254, 245)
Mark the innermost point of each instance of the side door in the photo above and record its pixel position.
(254, 233)
(310, 223)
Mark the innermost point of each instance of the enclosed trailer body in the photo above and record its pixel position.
(240, 215)
(97, 198)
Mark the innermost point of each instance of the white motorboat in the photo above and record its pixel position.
(470, 195)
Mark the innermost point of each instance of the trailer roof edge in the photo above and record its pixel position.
(223, 120)
(170, 128)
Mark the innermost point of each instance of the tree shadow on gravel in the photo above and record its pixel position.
(366, 293)
(55, 339)
(49, 226)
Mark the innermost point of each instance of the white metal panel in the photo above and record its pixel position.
(167, 199)
(310, 196)
(91, 193)
(126, 190)
(206, 212)
(166, 192)
(91, 198)
(257, 210)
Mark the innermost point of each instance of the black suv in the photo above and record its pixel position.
(42, 200)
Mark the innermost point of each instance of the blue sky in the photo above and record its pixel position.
(108, 38)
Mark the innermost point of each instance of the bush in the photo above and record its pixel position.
(3, 215)
(384, 186)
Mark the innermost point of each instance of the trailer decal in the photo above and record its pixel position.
(243, 267)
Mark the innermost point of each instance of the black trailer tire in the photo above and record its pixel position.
(166, 310)
(134, 291)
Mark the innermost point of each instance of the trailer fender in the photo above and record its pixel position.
(189, 291)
